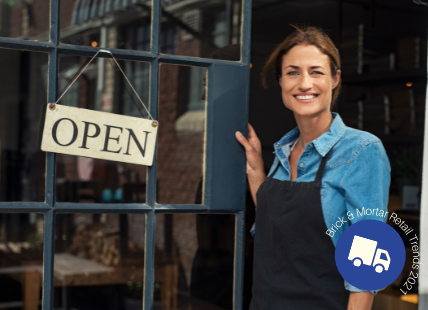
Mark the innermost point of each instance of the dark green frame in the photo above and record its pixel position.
(225, 177)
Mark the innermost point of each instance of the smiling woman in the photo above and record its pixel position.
(319, 175)
(306, 77)
(310, 37)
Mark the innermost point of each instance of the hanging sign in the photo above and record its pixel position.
(102, 135)
(88, 133)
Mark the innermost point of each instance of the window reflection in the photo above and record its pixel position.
(21, 260)
(181, 137)
(106, 23)
(25, 20)
(199, 28)
(102, 87)
(23, 84)
(200, 251)
(99, 261)
(181, 134)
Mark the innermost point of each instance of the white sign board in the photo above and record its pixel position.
(102, 135)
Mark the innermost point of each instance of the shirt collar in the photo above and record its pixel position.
(323, 143)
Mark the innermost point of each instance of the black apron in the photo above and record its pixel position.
(294, 265)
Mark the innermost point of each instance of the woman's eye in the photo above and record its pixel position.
(317, 72)
(293, 73)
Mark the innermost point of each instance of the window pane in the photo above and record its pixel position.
(106, 23)
(21, 260)
(99, 261)
(102, 87)
(27, 20)
(201, 28)
(181, 134)
(23, 85)
(194, 261)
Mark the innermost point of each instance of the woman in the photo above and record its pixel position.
(322, 170)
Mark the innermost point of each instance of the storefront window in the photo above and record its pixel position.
(182, 112)
(102, 87)
(25, 20)
(105, 23)
(82, 233)
(99, 261)
(21, 260)
(23, 83)
(199, 28)
(199, 252)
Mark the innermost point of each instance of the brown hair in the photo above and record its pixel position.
(304, 36)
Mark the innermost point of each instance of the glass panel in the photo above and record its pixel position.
(106, 23)
(209, 28)
(102, 87)
(194, 261)
(26, 20)
(181, 134)
(21, 260)
(23, 81)
(99, 261)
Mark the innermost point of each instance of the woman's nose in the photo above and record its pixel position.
(306, 82)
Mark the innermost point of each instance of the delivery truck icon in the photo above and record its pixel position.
(364, 251)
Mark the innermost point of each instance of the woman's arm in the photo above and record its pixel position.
(255, 167)
(360, 301)
(255, 184)
(366, 185)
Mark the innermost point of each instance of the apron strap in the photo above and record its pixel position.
(275, 170)
(320, 171)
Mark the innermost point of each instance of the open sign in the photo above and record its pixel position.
(102, 135)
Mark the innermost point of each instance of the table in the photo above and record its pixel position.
(70, 270)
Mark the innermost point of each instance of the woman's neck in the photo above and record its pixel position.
(311, 127)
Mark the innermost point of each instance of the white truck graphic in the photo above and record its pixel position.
(363, 250)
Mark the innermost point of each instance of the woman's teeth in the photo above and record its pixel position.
(306, 97)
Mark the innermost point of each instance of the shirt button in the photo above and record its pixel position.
(277, 144)
(311, 145)
(284, 159)
(302, 164)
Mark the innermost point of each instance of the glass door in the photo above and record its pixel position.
(82, 233)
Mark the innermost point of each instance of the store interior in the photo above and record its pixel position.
(383, 49)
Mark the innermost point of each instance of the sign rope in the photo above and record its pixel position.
(52, 105)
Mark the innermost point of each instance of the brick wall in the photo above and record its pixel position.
(33, 20)
(65, 13)
(39, 17)
(15, 22)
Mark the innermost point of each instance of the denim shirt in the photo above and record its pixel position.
(356, 177)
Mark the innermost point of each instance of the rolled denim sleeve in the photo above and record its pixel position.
(366, 185)
(352, 288)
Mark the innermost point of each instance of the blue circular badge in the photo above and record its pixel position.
(370, 255)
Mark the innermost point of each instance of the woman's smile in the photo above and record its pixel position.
(305, 97)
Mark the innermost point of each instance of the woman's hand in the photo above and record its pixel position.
(255, 167)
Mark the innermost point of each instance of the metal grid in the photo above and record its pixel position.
(223, 158)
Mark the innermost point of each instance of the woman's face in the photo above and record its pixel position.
(307, 81)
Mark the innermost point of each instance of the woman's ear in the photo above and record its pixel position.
(280, 81)
(336, 79)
